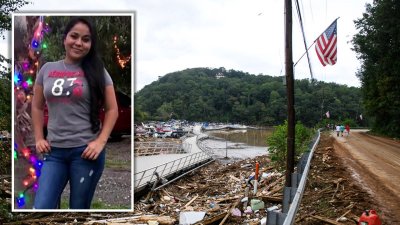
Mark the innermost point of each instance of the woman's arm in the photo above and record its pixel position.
(37, 119)
(111, 114)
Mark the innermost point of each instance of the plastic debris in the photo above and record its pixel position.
(236, 212)
(256, 204)
(186, 218)
(248, 210)
(272, 208)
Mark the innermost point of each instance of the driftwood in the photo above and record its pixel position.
(234, 178)
(343, 215)
(162, 220)
(229, 212)
(226, 199)
(190, 202)
(279, 180)
(5, 187)
(275, 190)
(212, 219)
(326, 220)
(272, 199)
(304, 216)
(337, 182)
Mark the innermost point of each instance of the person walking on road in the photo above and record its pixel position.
(341, 130)
(347, 129)
(337, 130)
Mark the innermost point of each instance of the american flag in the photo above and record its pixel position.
(326, 46)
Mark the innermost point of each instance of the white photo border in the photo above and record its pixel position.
(132, 14)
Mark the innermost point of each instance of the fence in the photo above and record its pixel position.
(157, 148)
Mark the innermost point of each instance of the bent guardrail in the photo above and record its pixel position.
(148, 176)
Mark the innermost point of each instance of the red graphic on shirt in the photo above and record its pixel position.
(65, 74)
(77, 88)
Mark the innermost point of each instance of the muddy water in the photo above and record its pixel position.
(251, 137)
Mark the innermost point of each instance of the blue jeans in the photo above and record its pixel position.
(66, 164)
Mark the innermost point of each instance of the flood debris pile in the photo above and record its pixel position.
(5, 188)
(332, 196)
(5, 197)
(218, 192)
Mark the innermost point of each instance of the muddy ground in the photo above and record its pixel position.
(334, 189)
(332, 192)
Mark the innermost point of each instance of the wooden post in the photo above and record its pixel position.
(290, 92)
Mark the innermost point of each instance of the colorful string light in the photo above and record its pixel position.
(30, 181)
(26, 68)
(122, 60)
(24, 73)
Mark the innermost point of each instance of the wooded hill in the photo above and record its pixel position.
(219, 95)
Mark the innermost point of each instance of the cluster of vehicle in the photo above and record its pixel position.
(175, 129)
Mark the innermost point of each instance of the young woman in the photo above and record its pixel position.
(74, 89)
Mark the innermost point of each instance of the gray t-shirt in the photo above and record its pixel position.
(66, 91)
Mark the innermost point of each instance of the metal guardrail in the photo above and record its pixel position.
(148, 176)
(303, 170)
(199, 141)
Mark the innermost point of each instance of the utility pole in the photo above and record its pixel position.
(290, 93)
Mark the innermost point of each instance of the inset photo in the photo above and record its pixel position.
(73, 78)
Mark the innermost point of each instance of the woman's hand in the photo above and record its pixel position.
(42, 146)
(93, 150)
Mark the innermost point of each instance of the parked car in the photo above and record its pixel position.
(123, 125)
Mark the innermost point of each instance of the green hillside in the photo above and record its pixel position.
(206, 94)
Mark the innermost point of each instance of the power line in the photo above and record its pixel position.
(304, 37)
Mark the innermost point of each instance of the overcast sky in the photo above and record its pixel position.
(245, 35)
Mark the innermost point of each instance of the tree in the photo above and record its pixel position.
(377, 45)
(198, 95)
(6, 8)
(278, 146)
(114, 35)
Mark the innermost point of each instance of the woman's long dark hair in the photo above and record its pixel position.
(93, 68)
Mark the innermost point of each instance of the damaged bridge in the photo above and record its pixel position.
(159, 163)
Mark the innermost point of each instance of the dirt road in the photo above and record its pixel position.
(375, 163)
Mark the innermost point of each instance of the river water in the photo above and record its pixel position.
(251, 137)
(238, 144)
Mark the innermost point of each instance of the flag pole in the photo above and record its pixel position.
(306, 52)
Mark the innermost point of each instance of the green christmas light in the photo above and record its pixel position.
(29, 81)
